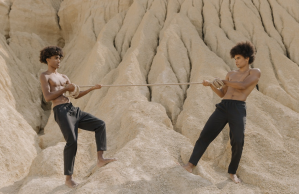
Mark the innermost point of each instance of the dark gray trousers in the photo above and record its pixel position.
(232, 112)
(69, 119)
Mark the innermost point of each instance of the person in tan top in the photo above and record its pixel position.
(238, 84)
(68, 117)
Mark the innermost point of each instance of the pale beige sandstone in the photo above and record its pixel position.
(81, 26)
(291, 7)
(26, 47)
(24, 19)
(192, 9)
(287, 25)
(151, 131)
(5, 6)
(24, 87)
(267, 21)
(19, 141)
(215, 37)
(126, 32)
(267, 48)
(165, 69)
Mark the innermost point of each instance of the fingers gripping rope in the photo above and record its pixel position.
(73, 94)
(217, 83)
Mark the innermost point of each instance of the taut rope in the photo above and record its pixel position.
(216, 83)
(160, 84)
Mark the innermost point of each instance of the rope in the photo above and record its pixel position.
(159, 84)
(216, 83)
(73, 94)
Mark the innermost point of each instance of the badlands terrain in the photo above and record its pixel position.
(150, 130)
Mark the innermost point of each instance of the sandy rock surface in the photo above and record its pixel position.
(150, 130)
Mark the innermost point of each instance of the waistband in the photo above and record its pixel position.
(62, 105)
(233, 101)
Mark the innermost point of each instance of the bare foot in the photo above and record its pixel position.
(235, 178)
(189, 167)
(71, 183)
(103, 162)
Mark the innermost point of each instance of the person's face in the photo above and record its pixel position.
(241, 61)
(54, 61)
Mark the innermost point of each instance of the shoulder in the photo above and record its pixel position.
(255, 71)
(65, 77)
(43, 75)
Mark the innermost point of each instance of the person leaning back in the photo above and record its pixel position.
(68, 117)
(238, 85)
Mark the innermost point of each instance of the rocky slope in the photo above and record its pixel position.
(150, 130)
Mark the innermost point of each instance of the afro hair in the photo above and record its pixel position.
(246, 49)
(48, 52)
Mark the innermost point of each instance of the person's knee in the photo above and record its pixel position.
(102, 125)
(238, 144)
(71, 142)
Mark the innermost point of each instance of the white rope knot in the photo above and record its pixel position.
(73, 94)
(217, 83)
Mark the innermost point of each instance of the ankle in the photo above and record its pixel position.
(100, 155)
(68, 177)
(101, 159)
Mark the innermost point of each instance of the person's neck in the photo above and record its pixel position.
(51, 69)
(244, 69)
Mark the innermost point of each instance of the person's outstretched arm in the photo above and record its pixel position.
(83, 93)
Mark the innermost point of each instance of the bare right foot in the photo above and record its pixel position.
(103, 162)
(235, 178)
(189, 167)
(70, 182)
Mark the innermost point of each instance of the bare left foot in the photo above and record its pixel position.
(189, 167)
(103, 162)
(70, 182)
(235, 178)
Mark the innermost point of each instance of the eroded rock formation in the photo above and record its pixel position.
(150, 130)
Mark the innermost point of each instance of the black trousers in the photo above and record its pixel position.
(69, 119)
(232, 112)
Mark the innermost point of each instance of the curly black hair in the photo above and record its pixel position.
(246, 49)
(48, 52)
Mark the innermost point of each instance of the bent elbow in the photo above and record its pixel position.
(47, 99)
